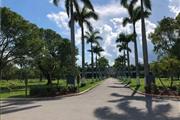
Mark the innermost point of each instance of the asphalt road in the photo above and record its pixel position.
(109, 101)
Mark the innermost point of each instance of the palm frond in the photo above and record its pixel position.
(76, 5)
(88, 24)
(88, 4)
(147, 4)
(55, 2)
(147, 14)
(124, 3)
(126, 20)
(91, 14)
(67, 5)
(98, 38)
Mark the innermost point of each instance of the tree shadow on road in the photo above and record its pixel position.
(135, 90)
(159, 112)
(7, 110)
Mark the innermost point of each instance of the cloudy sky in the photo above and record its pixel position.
(44, 14)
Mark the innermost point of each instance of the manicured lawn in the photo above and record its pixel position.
(158, 83)
(16, 88)
(89, 84)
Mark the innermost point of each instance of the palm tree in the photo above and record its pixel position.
(134, 16)
(147, 5)
(70, 5)
(92, 37)
(124, 40)
(97, 50)
(82, 17)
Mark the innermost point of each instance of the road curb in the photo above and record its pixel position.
(50, 98)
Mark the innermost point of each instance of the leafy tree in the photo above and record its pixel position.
(18, 37)
(103, 63)
(166, 37)
(82, 17)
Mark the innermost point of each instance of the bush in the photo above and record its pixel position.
(43, 91)
(51, 90)
(178, 89)
(83, 84)
(72, 89)
(154, 89)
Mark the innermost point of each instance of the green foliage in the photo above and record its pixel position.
(103, 63)
(18, 37)
(166, 37)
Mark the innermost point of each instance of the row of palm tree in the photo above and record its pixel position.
(123, 41)
(93, 38)
(82, 16)
(135, 14)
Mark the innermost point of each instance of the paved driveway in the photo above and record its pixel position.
(109, 101)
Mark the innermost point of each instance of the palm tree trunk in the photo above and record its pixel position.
(128, 62)
(125, 62)
(136, 55)
(145, 49)
(72, 37)
(96, 68)
(83, 53)
(92, 60)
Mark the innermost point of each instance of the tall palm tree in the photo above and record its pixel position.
(147, 5)
(97, 50)
(82, 17)
(125, 40)
(70, 5)
(92, 37)
(134, 16)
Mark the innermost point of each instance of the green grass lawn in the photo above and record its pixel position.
(89, 84)
(158, 83)
(16, 88)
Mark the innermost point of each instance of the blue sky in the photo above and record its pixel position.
(44, 14)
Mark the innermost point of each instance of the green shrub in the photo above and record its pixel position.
(43, 91)
(154, 89)
(52, 90)
(72, 89)
(83, 84)
(178, 89)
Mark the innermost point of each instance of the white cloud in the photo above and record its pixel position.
(112, 9)
(61, 19)
(109, 25)
(174, 6)
(51, 1)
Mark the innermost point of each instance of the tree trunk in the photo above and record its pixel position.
(96, 68)
(49, 79)
(83, 49)
(92, 60)
(145, 49)
(136, 55)
(72, 37)
(125, 63)
(0, 74)
(172, 80)
(128, 63)
(40, 77)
